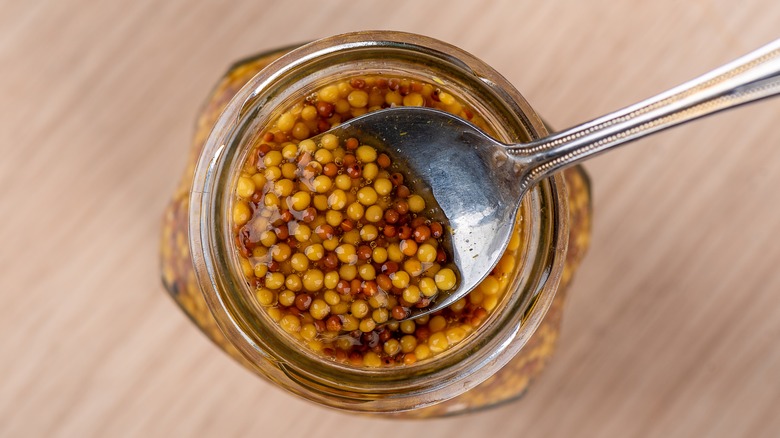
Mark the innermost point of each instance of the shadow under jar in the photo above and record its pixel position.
(497, 355)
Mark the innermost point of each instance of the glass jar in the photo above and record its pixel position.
(497, 361)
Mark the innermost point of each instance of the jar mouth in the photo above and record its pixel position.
(260, 340)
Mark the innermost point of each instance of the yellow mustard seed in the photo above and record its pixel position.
(329, 142)
(400, 279)
(372, 359)
(314, 252)
(490, 302)
(426, 253)
(315, 345)
(408, 327)
(413, 99)
(437, 323)
(290, 324)
(343, 106)
(416, 203)
(300, 131)
(379, 255)
(320, 202)
(272, 173)
(259, 180)
(369, 232)
(367, 196)
(455, 335)
(323, 156)
(514, 241)
(293, 283)
(260, 270)
(422, 320)
(374, 213)
(286, 298)
(393, 98)
(313, 279)
(281, 252)
(331, 280)
(268, 238)
(271, 200)
(489, 286)
(343, 182)
(355, 211)
(334, 218)
(308, 332)
(272, 158)
(408, 343)
(265, 296)
(476, 296)
(370, 171)
(347, 254)
(366, 154)
(438, 342)
(319, 309)
(331, 244)
(241, 213)
(275, 313)
(261, 252)
(422, 352)
(458, 306)
(309, 112)
(445, 279)
(413, 267)
(337, 200)
(286, 122)
(446, 98)
(367, 325)
(274, 280)
(358, 98)
(348, 272)
(298, 262)
(322, 184)
(349, 323)
(302, 232)
(378, 300)
(506, 264)
(300, 201)
(411, 294)
(359, 308)
(367, 272)
(383, 186)
(283, 187)
(290, 151)
(329, 94)
(331, 297)
(394, 252)
(246, 267)
(392, 347)
(339, 308)
(245, 187)
(307, 146)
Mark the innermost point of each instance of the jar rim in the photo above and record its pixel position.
(333, 388)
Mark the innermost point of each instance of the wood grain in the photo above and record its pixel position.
(674, 320)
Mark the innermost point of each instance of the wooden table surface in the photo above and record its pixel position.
(673, 324)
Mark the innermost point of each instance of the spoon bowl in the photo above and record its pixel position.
(479, 182)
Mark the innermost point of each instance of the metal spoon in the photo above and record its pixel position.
(478, 182)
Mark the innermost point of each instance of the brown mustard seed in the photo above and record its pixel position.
(325, 109)
(436, 230)
(303, 301)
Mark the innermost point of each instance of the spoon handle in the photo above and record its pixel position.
(750, 78)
